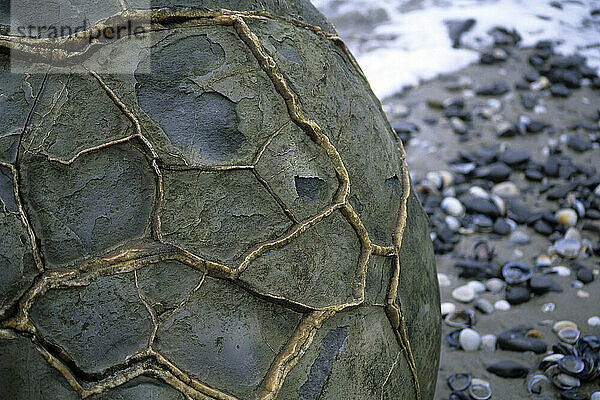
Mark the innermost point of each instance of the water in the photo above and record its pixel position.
(399, 43)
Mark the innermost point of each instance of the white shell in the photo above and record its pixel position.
(505, 189)
(567, 217)
(494, 285)
(469, 339)
(561, 270)
(502, 305)
(477, 286)
(477, 191)
(453, 206)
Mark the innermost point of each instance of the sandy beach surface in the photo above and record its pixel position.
(436, 145)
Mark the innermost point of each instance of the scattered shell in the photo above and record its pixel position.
(564, 381)
(543, 261)
(550, 360)
(488, 342)
(482, 250)
(567, 247)
(502, 305)
(480, 389)
(562, 325)
(452, 223)
(476, 191)
(477, 286)
(535, 384)
(548, 307)
(443, 280)
(447, 308)
(515, 273)
(460, 319)
(469, 339)
(505, 189)
(594, 321)
(569, 335)
(459, 382)
(571, 365)
(494, 285)
(567, 217)
(453, 206)
(464, 294)
(561, 270)
(582, 294)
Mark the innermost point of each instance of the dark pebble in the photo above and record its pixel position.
(510, 131)
(534, 175)
(497, 172)
(518, 211)
(495, 89)
(543, 284)
(515, 340)
(405, 127)
(536, 126)
(576, 143)
(543, 227)
(560, 192)
(528, 102)
(551, 167)
(480, 205)
(501, 227)
(531, 76)
(504, 36)
(573, 394)
(570, 78)
(517, 295)
(458, 396)
(456, 28)
(585, 275)
(559, 90)
(472, 269)
(508, 369)
(522, 86)
(592, 214)
(514, 157)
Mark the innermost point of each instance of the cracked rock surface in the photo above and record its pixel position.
(236, 224)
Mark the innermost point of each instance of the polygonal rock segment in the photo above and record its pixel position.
(354, 355)
(18, 92)
(379, 273)
(219, 216)
(166, 284)
(226, 337)
(101, 201)
(299, 172)
(25, 374)
(98, 325)
(319, 268)
(17, 266)
(74, 113)
(420, 303)
(141, 388)
(215, 106)
(332, 93)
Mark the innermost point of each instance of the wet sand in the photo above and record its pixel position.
(435, 145)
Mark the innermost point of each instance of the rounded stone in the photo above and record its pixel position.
(464, 294)
(227, 199)
(469, 339)
(488, 342)
(453, 206)
(502, 305)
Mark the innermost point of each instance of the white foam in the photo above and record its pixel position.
(413, 45)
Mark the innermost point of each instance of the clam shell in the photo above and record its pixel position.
(566, 217)
(515, 273)
(571, 365)
(562, 325)
(569, 335)
(459, 382)
(480, 389)
(535, 384)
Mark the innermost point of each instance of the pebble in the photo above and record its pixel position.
(585, 275)
(542, 284)
(567, 247)
(477, 191)
(484, 306)
(578, 144)
(566, 217)
(502, 305)
(477, 286)
(469, 339)
(582, 294)
(501, 227)
(505, 189)
(594, 321)
(508, 369)
(447, 308)
(561, 270)
(595, 396)
(519, 237)
(480, 205)
(452, 206)
(559, 90)
(548, 307)
(515, 340)
(458, 125)
(443, 280)
(518, 211)
(496, 172)
(452, 223)
(488, 342)
(572, 394)
(494, 285)
(543, 261)
(513, 157)
(464, 294)
(517, 295)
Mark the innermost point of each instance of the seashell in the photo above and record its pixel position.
(534, 334)
(488, 342)
(480, 389)
(573, 233)
(502, 305)
(495, 285)
(567, 247)
(464, 294)
(459, 382)
(550, 360)
(476, 191)
(543, 261)
(566, 217)
(536, 383)
(469, 339)
(561, 270)
(482, 251)
(452, 206)
(483, 223)
(571, 365)
(447, 308)
(594, 321)
(569, 335)
(452, 339)
(515, 273)
(560, 325)
(505, 189)
(595, 396)
(460, 319)
(565, 382)
(499, 203)
(548, 307)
